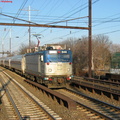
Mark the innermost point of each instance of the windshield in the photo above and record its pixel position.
(58, 58)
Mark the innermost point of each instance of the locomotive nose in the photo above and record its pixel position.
(59, 66)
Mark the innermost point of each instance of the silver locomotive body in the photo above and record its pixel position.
(33, 64)
(49, 66)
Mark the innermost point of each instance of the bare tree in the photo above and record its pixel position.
(101, 53)
(80, 55)
(23, 48)
(70, 42)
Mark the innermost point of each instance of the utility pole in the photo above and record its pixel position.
(3, 43)
(29, 30)
(90, 39)
(10, 38)
(29, 19)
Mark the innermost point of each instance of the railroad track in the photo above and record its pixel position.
(93, 108)
(108, 83)
(113, 89)
(22, 104)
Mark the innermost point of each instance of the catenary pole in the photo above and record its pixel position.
(90, 39)
(29, 30)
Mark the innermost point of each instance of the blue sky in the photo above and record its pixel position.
(105, 14)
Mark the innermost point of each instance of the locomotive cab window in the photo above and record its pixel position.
(52, 57)
(65, 57)
(58, 58)
(41, 58)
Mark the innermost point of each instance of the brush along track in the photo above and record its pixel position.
(27, 104)
(93, 108)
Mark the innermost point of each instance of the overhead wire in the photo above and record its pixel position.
(106, 21)
(111, 32)
(43, 9)
(20, 9)
(54, 4)
(55, 21)
(61, 36)
(110, 19)
(32, 2)
(64, 20)
(71, 10)
(17, 14)
(76, 11)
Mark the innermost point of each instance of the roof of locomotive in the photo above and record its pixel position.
(44, 51)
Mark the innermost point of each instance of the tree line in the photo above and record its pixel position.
(102, 51)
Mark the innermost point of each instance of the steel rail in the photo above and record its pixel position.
(95, 100)
(69, 103)
(97, 80)
(12, 102)
(36, 101)
(98, 113)
(96, 86)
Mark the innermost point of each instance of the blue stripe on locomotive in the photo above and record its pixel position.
(60, 57)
